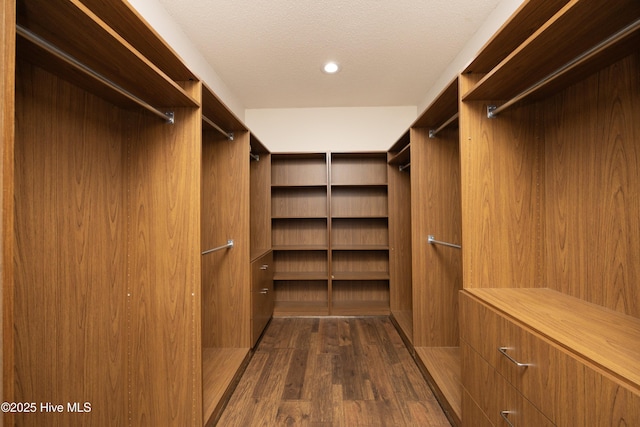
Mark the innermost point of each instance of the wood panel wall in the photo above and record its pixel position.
(592, 185)
(7, 96)
(163, 163)
(70, 252)
(554, 190)
(435, 186)
(260, 196)
(401, 295)
(502, 164)
(106, 256)
(226, 276)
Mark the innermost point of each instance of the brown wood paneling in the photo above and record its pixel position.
(70, 252)
(502, 200)
(592, 186)
(164, 269)
(226, 274)
(400, 243)
(260, 201)
(7, 119)
(358, 168)
(436, 270)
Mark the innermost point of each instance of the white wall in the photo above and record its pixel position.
(330, 129)
(496, 19)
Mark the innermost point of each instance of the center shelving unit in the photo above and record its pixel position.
(330, 233)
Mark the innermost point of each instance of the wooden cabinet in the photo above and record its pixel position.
(330, 233)
(548, 161)
(262, 295)
(567, 367)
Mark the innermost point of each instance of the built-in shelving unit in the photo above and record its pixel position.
(330, 233)
(300, 234)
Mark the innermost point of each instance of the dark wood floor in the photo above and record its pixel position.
(332, 372)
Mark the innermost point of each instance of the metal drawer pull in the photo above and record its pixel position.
(505, 416)
(503, 350)
(264, 291)
(264, 266)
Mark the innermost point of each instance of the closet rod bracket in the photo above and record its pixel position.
(490, 111)
(170, 117)
(230, 136)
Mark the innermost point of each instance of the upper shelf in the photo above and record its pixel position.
(442, 109)
(216, 111)
(530, 16)
(573, 30)
(127, 22)
(71, 28)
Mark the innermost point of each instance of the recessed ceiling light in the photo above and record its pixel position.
(331, 67)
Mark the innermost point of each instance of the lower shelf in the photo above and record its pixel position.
(220, 368)
(300, 308)
(443, 366)
(360, 308)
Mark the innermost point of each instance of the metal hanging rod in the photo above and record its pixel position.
(433, 241)
(493, 111)
(401, 168)
(229, 135)
(54, 50)
(255, 157)
(434, 132)
(219, 248)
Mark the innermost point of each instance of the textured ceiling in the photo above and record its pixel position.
(270, 52)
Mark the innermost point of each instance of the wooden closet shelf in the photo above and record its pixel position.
(300, 247)
(444, 106)
(291, 276)
(364, 184)
(360, 247)
(563, 38)
(127, 22)
(300, 185)
(360, 275)
(360, 308)
(105, 51)
(220, 366)
(442, 365)
(402, 157)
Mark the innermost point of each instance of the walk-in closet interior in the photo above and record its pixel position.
(149, 237)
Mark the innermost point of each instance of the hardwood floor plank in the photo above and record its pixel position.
(296, 375)
(332, 372)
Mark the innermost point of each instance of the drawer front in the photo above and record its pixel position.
(493, 396)
(551, 379)
(610, 404)
(472, 415)
(262, 295)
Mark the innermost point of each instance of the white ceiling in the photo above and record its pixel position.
(270, 52)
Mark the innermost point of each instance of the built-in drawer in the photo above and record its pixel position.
(545, 375)
(608, 403)
(262, 296)
(472, 414)
(502, 404)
